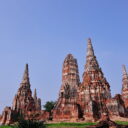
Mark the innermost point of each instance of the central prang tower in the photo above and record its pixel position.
(94, 90)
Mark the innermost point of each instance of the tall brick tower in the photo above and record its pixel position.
(23, 100)
(95, 89)
(70, 76)
(66, 107)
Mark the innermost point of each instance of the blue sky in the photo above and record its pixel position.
(42, 32)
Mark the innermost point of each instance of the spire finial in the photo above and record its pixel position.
(26, 76)
(90, 51)
(124, 70)
(125, 75)
(89, 40)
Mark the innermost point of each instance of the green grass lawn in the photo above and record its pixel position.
(69, 125)
(63, 125)
(5, 127)
(66, 125)
(122, 123)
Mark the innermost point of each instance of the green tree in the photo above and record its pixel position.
(49, 106)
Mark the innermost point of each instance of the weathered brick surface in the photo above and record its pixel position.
(94, 90)
(92, 97)
(88, 100)
(8, 116)
(116, 106)
(37, 101)
(66, 107)
(23, 104)
(23, 100)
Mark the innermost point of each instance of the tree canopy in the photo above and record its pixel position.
(49, 106)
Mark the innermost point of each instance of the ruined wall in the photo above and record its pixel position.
(8, 116)
(116, 106)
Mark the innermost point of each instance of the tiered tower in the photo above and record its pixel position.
(95, 89)
(66, 107)
(23, 100)
(23, 104)
(70, 77)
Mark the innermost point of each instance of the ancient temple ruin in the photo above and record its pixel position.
(24, 104)
(88, 100)
(23, 100)
(92, 96)
(94, 90)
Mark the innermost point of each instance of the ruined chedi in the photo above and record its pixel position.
(37, 101)
(23, 104)
(23, 100)
(94, 90)
(84, 100)
(66, 107)
(88, 101)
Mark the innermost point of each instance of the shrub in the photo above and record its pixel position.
(29, 124)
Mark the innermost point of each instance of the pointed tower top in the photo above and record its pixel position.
(90, 51)
(124, 70)
(26, 76)
(69, 57)
(91, 61)
(125, 75)
(35, 94)
(89, 40)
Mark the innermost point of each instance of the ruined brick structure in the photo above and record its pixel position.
(23, 100)
(8, 116)
(94, 90)
(23, 104)
(66, 107)
(88, 100)
(116, 106)
(37, 101)
(92, 97)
